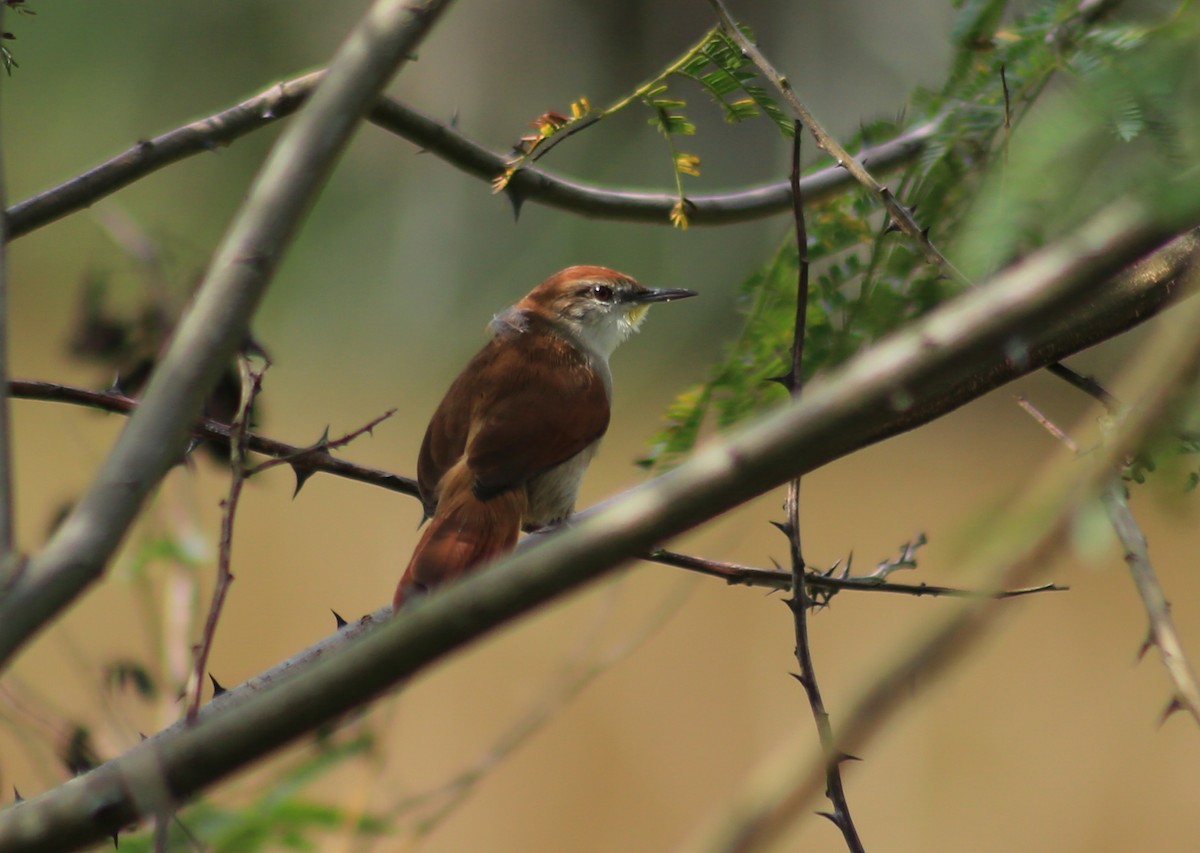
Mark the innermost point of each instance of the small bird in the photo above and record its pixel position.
(508, 445)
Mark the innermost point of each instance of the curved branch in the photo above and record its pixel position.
(281, 100)
(249, 723)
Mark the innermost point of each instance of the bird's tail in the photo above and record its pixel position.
(464, 533)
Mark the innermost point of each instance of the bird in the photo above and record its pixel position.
(508, 445)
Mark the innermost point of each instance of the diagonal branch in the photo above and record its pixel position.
(1162, 634)
(246, 724)
(207, 336)
(443, 140)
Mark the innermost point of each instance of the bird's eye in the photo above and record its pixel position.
(602, 292)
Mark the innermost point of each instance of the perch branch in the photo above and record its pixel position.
(243, 725)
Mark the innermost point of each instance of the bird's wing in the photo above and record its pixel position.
(548, 404)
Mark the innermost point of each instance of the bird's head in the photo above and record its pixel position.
(599, 306)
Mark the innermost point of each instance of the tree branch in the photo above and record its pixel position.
(1161, 633)
(9, 561)
(532, 184)
(216, 324)
(246, 724)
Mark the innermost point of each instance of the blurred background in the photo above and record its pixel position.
(1046, 739)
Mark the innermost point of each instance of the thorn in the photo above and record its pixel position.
(1172, 706)
(251, 346)
(142, 735)
(341, 623)
(217, 688)
(845, 756)
(116, 843)
(1147, 645)
(783, 527)
(516, 199)
(803, 681)
(453, 122)
(832, 818)
(17, 798)
(324, 439)
(925, 232)
(787, 380)
(892, 227)
(302, 475)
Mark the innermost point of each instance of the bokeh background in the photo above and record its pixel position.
(1046, 739)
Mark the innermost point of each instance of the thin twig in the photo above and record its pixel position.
(251, 386)
(800, 602)
(9, 564)
(737, 574)
(1162, 634)
(1048, 425)
(900, 214)
(314, 457)
(444, 141)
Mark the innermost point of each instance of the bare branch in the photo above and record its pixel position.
(309, 458)
(738, 574)
(530, 184)
(251, 386)
(1162, 634)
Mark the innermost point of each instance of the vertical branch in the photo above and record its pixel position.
(8, 562)
(800, 601)
(251, 385)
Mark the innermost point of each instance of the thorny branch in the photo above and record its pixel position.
(251, 387)
(736, 574)
(800, 602)
(1161, 634)
(442, 140)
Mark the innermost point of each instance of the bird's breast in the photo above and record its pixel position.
(552, 493)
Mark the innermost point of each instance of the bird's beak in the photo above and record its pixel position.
(665, 294)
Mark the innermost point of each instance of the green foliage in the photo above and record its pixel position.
(1015, 162)
(714, 63)
(6, 57)
(280, 818)
(721, 69)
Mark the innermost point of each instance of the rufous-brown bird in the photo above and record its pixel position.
(508, 445)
